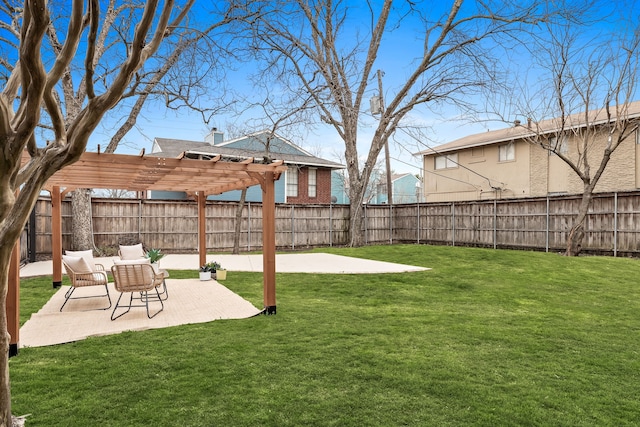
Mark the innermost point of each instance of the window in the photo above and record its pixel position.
(507, 152)
(447, 161)
(312, 183)
(292, 182)
(557, 146)
(477, 152)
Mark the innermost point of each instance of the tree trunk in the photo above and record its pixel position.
(5, 389)
(357, 190)
(355, 225)
(81, 226)
(574, 242)
(576, 235)
(238, 224)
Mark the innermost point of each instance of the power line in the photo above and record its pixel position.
(458, 164)
(477, 187)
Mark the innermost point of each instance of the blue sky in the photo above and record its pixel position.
(442, 125)
(322, 140)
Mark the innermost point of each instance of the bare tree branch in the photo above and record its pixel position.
(29, 90)
(335, 63)
(588, 88)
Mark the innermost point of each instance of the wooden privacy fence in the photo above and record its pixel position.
(173, 225)
(612, 226)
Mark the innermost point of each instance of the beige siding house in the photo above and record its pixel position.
(506, 163)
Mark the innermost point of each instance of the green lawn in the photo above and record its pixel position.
(486, 338)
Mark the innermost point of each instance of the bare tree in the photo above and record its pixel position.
(586, 89)
(332, 50)
(32, 74)
(180, 77)
(115, 193)
(277, 113)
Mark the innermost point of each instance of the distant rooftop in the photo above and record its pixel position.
(175, 147)
(530, 129)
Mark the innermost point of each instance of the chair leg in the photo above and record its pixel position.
(116, 307)
(165, 292)
(67, 297)
(106, 288)
(146, 297)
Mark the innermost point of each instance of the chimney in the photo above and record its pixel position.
(516, 123)
(529, 123)
(215, 137)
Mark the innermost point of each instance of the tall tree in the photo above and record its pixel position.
(586, 87)
(181, 76)
(34, 71)
(277, 112)
(332, 49)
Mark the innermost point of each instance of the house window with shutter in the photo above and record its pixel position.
(312, 182)
(292, 182)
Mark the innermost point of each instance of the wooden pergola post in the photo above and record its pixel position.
(56, 235)
(269, 242)
(13, 300)
(202, 228)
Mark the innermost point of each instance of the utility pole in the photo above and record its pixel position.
(386, 144)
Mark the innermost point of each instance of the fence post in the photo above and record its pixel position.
(453, 223)
(293, 229)
(31, 233)
(249, 226)
(615, 224)
(390, 224)
(366, 234)
(495, 223)
(330, 224)
(418, 222)
(548, 224)
(139, 220)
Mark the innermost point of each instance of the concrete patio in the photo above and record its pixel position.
(190, 300)
(285, 263)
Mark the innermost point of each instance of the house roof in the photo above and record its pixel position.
(175, 147)
(544, 127)
(257, 141)
(396, 176)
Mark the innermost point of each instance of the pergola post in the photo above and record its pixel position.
(202, 228)
(56, 235)
(269, 242)
(13, 300)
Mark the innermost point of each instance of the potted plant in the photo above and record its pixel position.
(221, 273)
(155, 255)
(205, 273)
(209, 270)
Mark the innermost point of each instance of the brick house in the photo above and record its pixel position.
(306, 181)
(505, 164)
